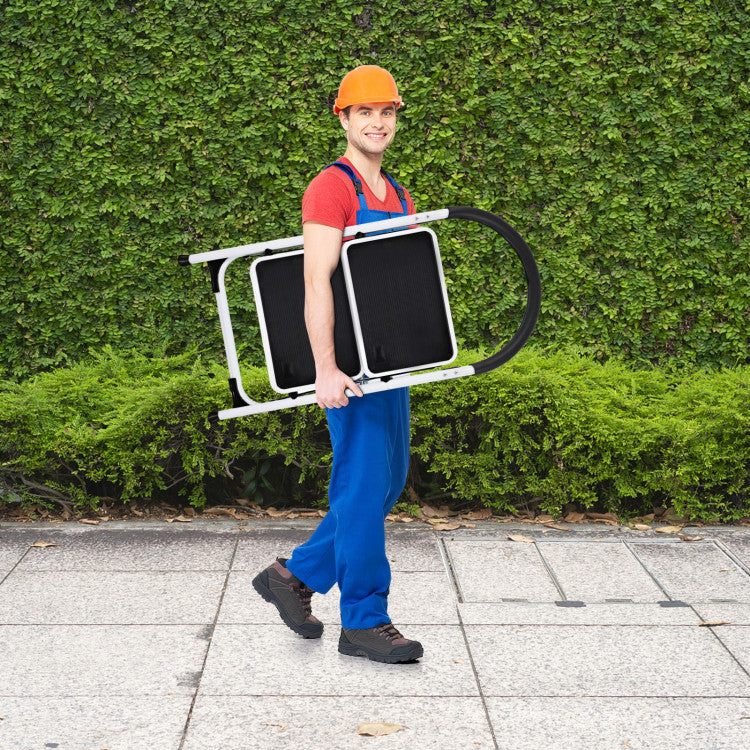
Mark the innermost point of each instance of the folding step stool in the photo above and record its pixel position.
(392, 316)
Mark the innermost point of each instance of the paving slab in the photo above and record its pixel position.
(620, 723)
(258, 548)
(737, 641)
(95, 598)
(323, 723)
(694, 571)
(272, 660)
(540, 660)
(607, 674)
(407, 549)
(93, 723)
(596, 613)
(415, 598)
(493, 571)
(100, 660)
(413, 550)
(12, 551)
(163, 547)
(739, 547)
(734, 613)
(599, 571)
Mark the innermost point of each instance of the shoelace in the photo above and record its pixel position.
(305, 594)
(389, 631)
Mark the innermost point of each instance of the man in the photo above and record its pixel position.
(369, 434)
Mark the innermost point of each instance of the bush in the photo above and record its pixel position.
(549, 429)
(125, 427)
(563, 429)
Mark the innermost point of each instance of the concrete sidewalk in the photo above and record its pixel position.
(150, 636)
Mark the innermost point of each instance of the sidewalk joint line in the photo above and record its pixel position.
(477, 681)
(448, 562)
(209, 638)
(648, 570)
(715, 634)
(550, 572)
(18, 562)
(744, 568)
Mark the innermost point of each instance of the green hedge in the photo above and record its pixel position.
(563, 429)
(547, 429)
(613, 135)
(125, 427)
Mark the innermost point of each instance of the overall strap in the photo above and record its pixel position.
(400, 192)
(359, 190)
(357, 183)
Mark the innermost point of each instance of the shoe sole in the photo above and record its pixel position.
(412, 654)
(260, 584)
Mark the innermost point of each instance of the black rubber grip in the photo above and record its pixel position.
(534, 284)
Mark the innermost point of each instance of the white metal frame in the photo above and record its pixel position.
(380, 383)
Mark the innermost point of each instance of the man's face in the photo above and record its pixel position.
(370, 127)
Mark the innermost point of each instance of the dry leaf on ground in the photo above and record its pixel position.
(668, 529)
(712, 624)
(180, 519)
(686, 538)
(217, 511)
(574, 517)
(478, 515)
(277, 513)
(641, 527)
(90, 521)
(602, 517)
(439, 526)
(378, 729)
(427, 511)
(44, 544)
(557, 526)
(521, 538)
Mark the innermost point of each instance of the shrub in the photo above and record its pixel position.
(549, 429)
(124, 426)
(562, 428)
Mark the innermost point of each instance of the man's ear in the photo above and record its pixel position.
(344, 120)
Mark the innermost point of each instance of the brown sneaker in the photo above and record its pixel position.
(290, 596)
(381, 643)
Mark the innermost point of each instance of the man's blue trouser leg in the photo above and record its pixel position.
(370, 439)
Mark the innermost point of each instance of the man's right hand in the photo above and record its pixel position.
(330, 389)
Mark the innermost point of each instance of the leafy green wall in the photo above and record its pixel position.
(612, 135)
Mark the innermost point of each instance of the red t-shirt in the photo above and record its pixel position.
(330, 199)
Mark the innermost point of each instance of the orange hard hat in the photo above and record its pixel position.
(366, 84)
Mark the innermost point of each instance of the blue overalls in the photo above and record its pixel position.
(370, 439)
